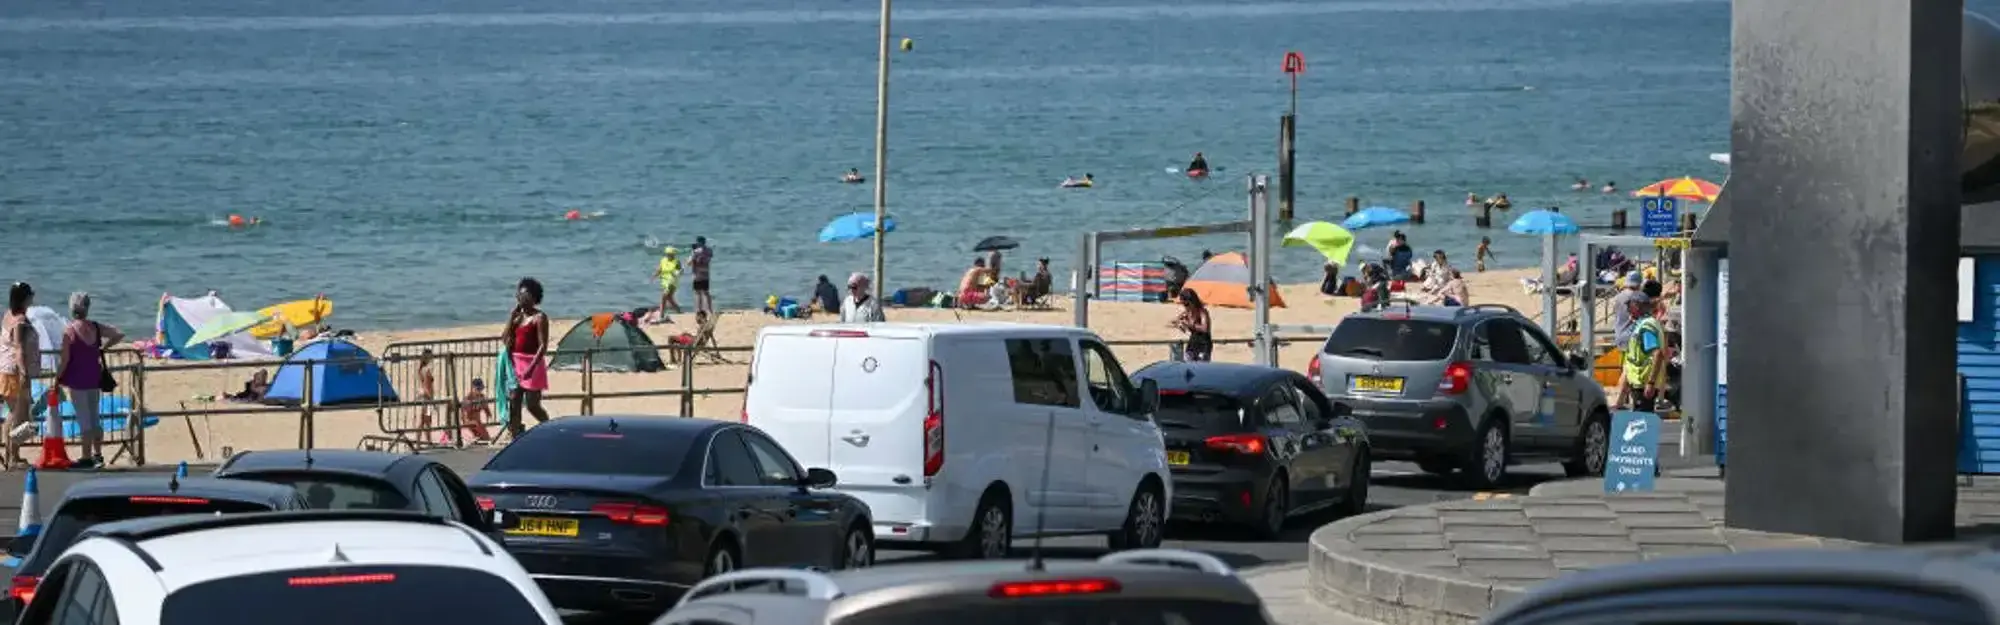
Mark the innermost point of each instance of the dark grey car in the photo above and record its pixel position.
(1472, 389)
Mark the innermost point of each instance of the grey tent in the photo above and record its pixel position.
(619, 346)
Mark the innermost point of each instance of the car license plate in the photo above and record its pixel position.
(1377, 384)
(1177, 457)
(544, 526)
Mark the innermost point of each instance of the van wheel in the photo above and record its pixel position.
(991, 536)
(1592, 447)
(1486, 466)
(1145, 520)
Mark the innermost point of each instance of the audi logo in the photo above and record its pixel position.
(541, 501)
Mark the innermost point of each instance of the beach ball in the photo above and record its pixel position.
(908, 44)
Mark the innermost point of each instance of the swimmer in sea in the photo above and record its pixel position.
(1199, 164)
(1471, 199)
(1610, 187)
(1579, 185)
(853, 175)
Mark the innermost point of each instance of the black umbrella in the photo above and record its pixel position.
(989, 244)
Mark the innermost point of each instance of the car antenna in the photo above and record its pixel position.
(614, 425)
(1042, 507)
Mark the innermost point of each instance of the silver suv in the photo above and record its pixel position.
(1471, 388)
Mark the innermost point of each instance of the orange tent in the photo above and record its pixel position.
(1225, 281)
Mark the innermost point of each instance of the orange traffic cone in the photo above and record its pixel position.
(55, 453)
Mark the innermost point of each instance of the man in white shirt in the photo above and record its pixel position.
(859, 306)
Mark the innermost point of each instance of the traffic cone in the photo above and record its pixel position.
(181, 472)
(30, 524)
(55, 453)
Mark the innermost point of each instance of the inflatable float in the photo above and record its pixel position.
(1197, 173)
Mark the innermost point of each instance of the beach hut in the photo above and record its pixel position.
(621, 346)
(344, 374)
(1225, 281)
(179, 316)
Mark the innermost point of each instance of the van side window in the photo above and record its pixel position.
(1044, 372)
(1109, 388)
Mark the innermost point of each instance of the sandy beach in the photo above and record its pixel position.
(169, 387)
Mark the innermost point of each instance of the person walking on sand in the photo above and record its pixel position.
(860, 306)
(669, 275)
(80, 370)
(527, 337)
(1194, 320)
(20, 362)
(698, 262)
(1484, 252)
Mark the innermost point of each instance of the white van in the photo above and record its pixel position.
(950, 431)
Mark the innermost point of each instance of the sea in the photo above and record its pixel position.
(412, 159)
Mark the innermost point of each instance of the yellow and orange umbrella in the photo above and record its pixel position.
(1686, 188)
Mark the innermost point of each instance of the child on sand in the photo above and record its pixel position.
(475, 410)
(1480, 255)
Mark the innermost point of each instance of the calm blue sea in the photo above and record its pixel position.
(412, 158)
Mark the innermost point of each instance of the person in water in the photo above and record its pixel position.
(1610, 187)
(1199, 164)
(853, 175)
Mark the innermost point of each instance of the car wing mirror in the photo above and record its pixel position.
(820, 478)
(1149, 396)
(1578, 362)
(505, 519)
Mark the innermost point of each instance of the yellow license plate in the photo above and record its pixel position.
(1372, 383)
(544, 526)
(1177, 457)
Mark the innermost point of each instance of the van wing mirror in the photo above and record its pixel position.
(1149, 397)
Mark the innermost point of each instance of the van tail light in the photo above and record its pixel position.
(934, 421)
(1457, 379)
(23, 589)
(485, 503)
(1054, 587)
(632, 514)
(1312, 370)
(1247, 444)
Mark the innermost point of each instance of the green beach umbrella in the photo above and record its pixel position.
(1331, 240)
(225, 325)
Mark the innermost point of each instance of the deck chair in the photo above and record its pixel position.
(1034, 294)
(704, 345)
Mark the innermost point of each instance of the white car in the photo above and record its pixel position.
(955, 435)
(317, 567)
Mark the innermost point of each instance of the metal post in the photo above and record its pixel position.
(1698, 343)
(1260, 273)
(589, 386)
(1080, 279)
(1549, 282)
(881, 150)
(1586, 299)
(687, 381)
(306, 407)
(452, 405)
(136, 420)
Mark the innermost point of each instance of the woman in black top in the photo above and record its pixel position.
(1194, 321)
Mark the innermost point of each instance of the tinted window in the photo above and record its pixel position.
(631, 451)
(436, 500)
(1044, 371)
(376, 595)
(85, 600)
(1503, 342)
(774, 466)
(79, 514)
(1203, 411)
(729, 463)
(1052, 612)
(1312, 406)
(1390, 339)
(336, 492)
(1278, 407)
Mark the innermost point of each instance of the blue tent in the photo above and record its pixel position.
(345, 374)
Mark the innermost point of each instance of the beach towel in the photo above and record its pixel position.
(503, 384)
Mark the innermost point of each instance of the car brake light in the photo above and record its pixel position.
(1312, 370)
(1053, 587)
(1250, 444)
(485, 503)
(1173, 391)
(839, 334)
(1457, 378)
(23, 588)
(342, 580)
(195, 501)
(632, 514)
(934, 421)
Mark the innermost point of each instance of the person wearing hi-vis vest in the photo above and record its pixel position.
(1644, 371)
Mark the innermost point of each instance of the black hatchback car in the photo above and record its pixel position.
(1255, 445)
(340, 479)
(626, 513)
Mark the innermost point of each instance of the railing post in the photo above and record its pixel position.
(589, 384)
(687, 381)
(306, 407)
(138, 419)
(451, 405)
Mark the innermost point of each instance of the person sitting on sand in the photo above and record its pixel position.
(1455, 292)
(253, 389)
(1039, 286)
(972, 285)
(475, 410)
(1329, 281)
(826, 298)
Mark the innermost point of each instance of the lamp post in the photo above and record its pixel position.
(881, 151)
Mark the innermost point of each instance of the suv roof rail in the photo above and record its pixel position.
(771, 581)
(1405, 301)
(1172, 558)
(1483, 307)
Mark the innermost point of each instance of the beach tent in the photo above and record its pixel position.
(178, 318)
(1225, 281)
(48, 330)
(346, 375)
(622, 347)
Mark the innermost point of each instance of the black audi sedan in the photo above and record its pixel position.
(625, 513)
(1254, 445)
(343, 479)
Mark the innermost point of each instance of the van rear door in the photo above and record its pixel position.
(791, 394)
(880, 401)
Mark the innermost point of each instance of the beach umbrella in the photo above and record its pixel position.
(1685, 187)
(1332, 241)
(993, 243)
(1374, 216)
(223, 325)
(303, 313)
(1543, 222)
(853, 226)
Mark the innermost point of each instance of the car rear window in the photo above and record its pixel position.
(335, 492)
(1198, 410)
(1374, 338)
(1063, 612)
(77, 515)
(344, 595)
(614, 452)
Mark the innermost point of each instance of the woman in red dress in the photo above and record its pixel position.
(527, 337)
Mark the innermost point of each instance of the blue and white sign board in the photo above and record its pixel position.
(1659, 217)
(1634, 453)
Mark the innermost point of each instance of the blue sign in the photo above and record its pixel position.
(1634, 455)
(1659, 217)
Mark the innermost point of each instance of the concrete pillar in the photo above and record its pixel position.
(1841, 405)
(1698, 343)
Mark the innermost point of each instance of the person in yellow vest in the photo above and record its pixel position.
(669, 275)
(1645, 369)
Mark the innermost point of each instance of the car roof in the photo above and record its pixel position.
(190, 549)
(901, 329)
(167, 485)
(349, 461)
(1224, 378)
(633, 423)
(1446, 314)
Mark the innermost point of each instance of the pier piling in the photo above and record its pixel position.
(1618, 219)
(1353, 206)
(1417, 212)
(1288, 128)
(1482, 216)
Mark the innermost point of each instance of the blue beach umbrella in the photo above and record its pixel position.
(1543, 222)
(1374, 216)
(853, 226)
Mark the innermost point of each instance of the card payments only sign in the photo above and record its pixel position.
(1634, 454)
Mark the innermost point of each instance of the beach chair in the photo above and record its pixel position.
(704, 345)
(1034, 294)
